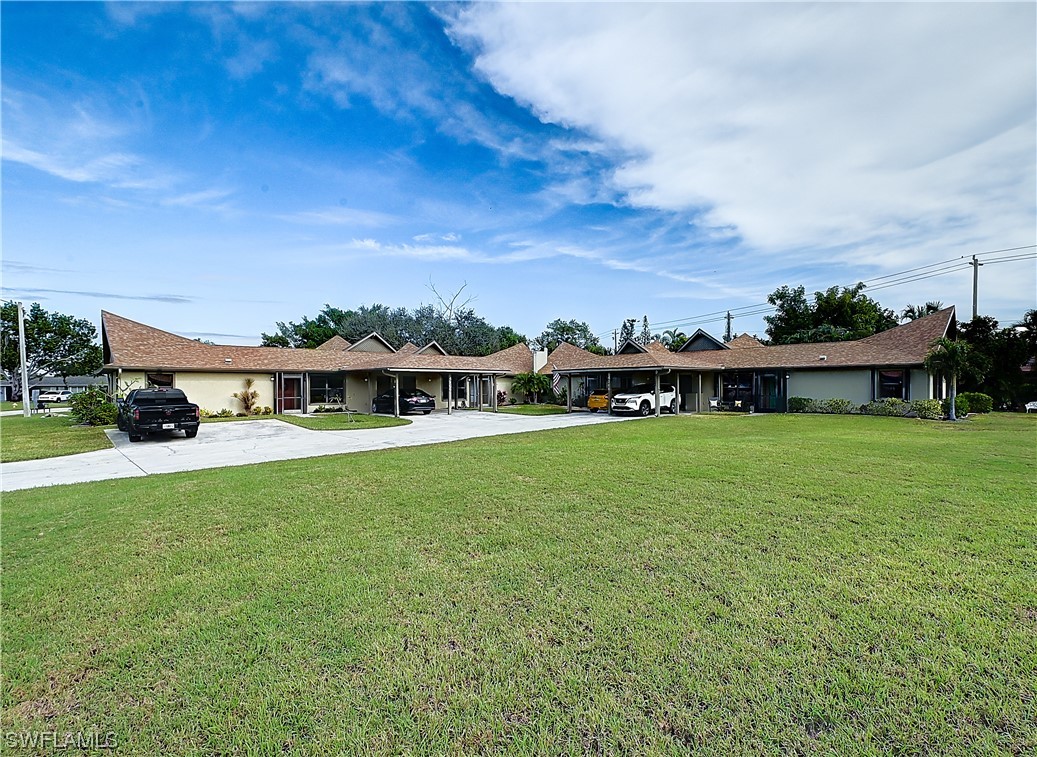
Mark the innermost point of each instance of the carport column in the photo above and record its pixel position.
(677, 399)
(449, 394)
(698, 397)
(396, 392)
(569, 395)
(478, 390)
(493, 388)
(608, 378)
(658, 410)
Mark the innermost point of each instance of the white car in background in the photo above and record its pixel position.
(640, 399)
(55, 396)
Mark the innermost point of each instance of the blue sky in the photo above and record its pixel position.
(213, 168)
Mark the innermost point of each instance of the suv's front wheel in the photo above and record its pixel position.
(645, 409)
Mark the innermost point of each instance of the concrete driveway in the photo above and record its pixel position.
(245, 442)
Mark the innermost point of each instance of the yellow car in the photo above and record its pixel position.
(598, 400)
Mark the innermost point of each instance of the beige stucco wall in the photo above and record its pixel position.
(854, 385)
(212, 391)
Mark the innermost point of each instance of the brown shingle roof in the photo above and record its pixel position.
(335, 343)
(133, 345)
(566, 356)
(408, 349)
(743, 341)
(515, 359)
(903, 345)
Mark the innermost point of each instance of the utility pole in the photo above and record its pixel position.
(21, 354)
(975, 286)
(727, 331)
(615, 341)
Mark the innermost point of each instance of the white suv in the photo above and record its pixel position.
(641, 399)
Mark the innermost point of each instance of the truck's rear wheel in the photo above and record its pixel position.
(645, 408)
(673, 407)
(191, 434)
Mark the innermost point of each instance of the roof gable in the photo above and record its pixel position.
(408, 349)
(700, 341)
(432, 348)
(373, 342)
(630, 347)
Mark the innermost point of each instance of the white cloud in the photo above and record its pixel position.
(339, 216)
(797, 126)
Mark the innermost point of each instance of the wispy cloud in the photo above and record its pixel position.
(432, 237)
(174, 299)
(15, 266)
(339, 216)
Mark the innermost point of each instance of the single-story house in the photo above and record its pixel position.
(75, 384)
(338, 373)
(746, 374)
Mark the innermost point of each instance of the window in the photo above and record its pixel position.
(891, 384)
(159, 379)
(327, 389)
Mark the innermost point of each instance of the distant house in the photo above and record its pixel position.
(337, 373)
(10, 390)
(747, 374)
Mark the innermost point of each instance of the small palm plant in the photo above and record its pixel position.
(950, 358)
(248, 398)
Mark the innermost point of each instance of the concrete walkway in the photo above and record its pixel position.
(220, 445)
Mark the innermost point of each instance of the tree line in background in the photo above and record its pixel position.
(55, 344)
(61, 345)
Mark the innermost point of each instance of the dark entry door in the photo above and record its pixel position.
(291, 394)
(770, 393)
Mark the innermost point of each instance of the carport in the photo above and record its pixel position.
(691, 380)
(449, 376)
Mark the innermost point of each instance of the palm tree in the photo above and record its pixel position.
(950, 358)
(672, 339)
(914, 312)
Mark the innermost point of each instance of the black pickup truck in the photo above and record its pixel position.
(144, 411)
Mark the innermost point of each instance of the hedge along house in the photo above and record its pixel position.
(744, 374)
(336, 374)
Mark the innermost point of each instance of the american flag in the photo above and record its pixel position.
(556, 382)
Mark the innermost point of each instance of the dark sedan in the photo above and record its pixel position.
(412, 401)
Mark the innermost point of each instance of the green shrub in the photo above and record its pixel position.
(801, 405)
(978, 402)
(223, 413)
(267, 411)
(961, 406)
(203, 413)
(891, 406)
(94, 407)
(836, 406)
(928, 409)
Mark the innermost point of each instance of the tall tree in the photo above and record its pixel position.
(574, 332)
(626, 333)
(996, 358)
(835, 315)
(646, 333)
(949, 358)
(55, 344)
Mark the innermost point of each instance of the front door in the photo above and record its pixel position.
(769, 399)
(291, 394)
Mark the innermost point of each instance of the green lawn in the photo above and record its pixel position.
(532, 409)
(41, 436)
(325, 422)
(728, 584)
